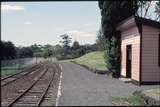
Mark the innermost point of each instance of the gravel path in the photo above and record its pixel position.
(81, 87)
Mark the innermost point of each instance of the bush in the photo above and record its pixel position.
(112, 56)
(62, 57)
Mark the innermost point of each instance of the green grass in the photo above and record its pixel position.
(155, 91)
(9, 70)
(93, 60)
(6, 72)
(133, 100)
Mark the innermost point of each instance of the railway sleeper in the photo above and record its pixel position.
(35, 92)
(30, 96)
(31, 99)
(25, 104)
(42, 84)
(48, 102)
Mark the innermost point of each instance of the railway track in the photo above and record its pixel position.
(51, 96)
(9, 79)
(36, 92)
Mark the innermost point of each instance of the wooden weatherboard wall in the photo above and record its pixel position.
(150, 54)
(131, 37)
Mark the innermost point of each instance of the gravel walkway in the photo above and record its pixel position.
(81, 87)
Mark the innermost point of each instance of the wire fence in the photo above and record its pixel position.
(9, 67)
(20, 63)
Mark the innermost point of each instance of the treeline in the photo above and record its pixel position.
(10, 51)
(75, 50)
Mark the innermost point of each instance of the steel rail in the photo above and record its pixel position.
(21, 95)
(18, 77)
(33, 67)
(46, 90)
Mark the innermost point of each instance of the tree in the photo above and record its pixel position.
(48, 50)
(58, 49)
(35, 48)
(48, 53)
(100, 42)
(66, 40)
(75, 49)
(25, 52)
(157, 11)
(8, 50)
(75, 45)
(112, 13)
(143, 9)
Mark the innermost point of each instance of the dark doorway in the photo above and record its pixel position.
(128, 61)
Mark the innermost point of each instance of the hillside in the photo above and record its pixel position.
(93, 60)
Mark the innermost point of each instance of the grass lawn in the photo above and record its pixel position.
(5, 71)
(155, 91)
(133, 100)
(9, 67)
(94, 60)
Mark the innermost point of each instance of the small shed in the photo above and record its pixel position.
(140, 50)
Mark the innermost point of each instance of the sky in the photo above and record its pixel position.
(27, 23)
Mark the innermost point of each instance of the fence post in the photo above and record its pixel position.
(36, 59)
(18, 63)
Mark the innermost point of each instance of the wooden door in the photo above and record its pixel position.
(128, 61)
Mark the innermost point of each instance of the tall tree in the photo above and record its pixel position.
(25, 52)
(100, 42)
(112, 13)
(8, 50)
(66, 40)
(76, 49)
(75, 45)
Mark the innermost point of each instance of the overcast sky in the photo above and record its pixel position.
(26, 23)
